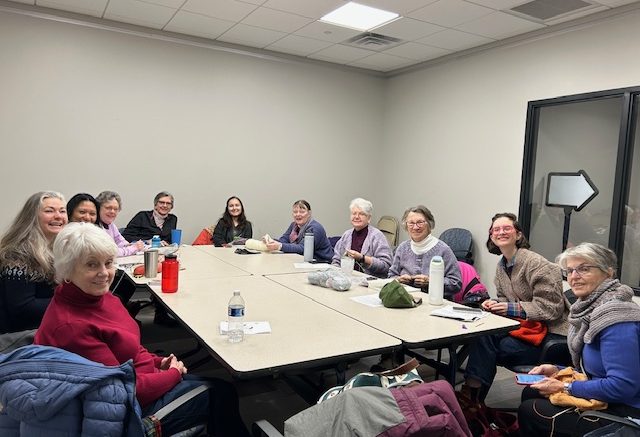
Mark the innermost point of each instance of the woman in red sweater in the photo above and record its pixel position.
(85, 318)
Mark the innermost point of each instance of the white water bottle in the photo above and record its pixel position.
(235, 330)
(308, 247)
(436, 281)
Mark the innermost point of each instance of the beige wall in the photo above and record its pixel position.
(87, 110)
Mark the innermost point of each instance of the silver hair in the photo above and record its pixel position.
(108, 196)
(602, 257)
(162, 194)
(362, 204)
(76, 242)
(420, 209)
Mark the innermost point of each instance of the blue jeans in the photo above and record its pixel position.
(491, 351)
(217, 408)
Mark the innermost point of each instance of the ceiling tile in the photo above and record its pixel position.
(315, 9)
(499, 25)
(229, 10)
(341, 54)
(401, 7)
(450, 13)
(298, 45)
(276, 20)
(382, 62)
(198, 25)
(327, 32)
(500, 5)
(408, 29)
(419, 52)
(452, 39)
(94, 8)
(136, 12)
(175, 4)
(251, 36)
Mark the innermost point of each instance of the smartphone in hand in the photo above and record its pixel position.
(526, 379)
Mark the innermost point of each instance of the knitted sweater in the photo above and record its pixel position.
(537, 285)
(23, 300)
(375, 246)
(406, 262)
(100, 329)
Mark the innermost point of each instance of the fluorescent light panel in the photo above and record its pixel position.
(357, 16)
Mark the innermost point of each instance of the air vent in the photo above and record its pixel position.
(546, 10)
(373, 41)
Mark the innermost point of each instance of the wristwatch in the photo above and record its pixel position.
(567, 387)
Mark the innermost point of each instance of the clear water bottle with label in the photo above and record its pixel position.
(235, 331)
(155, 241)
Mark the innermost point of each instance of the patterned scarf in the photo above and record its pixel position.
(607, 305)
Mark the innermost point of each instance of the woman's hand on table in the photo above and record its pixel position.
(273, 245)
(139, 245)
(499, 308)
(421, 280)
(404, 279)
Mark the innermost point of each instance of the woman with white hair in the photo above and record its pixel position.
(604, 341)
(86, 319)
(364, 243)
(26, 261)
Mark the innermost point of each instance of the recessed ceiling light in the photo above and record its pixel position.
(360, 17)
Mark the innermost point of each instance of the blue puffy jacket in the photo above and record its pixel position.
(46, 391)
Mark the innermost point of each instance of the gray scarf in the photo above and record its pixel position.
(607, 305)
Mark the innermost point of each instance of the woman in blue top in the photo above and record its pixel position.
(604, 340)
(292, 241)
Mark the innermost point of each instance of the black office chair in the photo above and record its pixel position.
(619, 426)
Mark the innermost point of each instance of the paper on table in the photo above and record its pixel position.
(306, 265)
(248, 327)
(465, 316)
(371, 300)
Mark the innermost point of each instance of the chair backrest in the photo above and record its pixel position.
(461, 243)
(390, 228)
(334, 240)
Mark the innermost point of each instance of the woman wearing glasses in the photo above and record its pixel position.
(604, 340)
(411, 261)
(528, 287)
(159, 221)
(364, 243)
(110, 204)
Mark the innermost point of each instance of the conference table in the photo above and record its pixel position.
(311, 326)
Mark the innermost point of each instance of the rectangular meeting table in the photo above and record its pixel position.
(414, 326)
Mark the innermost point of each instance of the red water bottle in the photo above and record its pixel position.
(170, 267)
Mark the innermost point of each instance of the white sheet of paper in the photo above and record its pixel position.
(307, 265)
(450, 313)
(371, 300)
(248, 327)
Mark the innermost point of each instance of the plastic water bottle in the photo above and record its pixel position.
(235, 331)
(308, 247)
(436, 281)
(155, 241)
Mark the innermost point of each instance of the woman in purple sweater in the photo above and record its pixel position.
(110, 205)
(412, 258)
(604, 340)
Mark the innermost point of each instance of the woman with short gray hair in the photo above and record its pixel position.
(159, 221)
(412, 258)
(86, 319)
(604, 340)
(110, 204)
(364, 243)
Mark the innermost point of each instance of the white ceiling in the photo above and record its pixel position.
(429, 29)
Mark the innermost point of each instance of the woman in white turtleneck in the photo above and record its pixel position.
(412, 258)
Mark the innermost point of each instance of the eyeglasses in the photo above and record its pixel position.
(582, 269)
(418, 224)
(160, 202)
(506, 229)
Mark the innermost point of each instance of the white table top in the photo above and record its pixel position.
(304, 333)
(194, 264)
(414, 326)
(263, 263)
